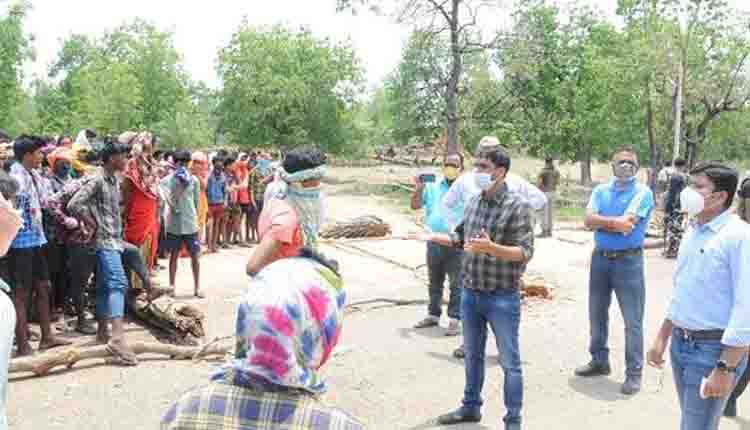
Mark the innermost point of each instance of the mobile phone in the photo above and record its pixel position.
(427, 177)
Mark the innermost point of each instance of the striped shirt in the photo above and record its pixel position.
(229, 407)
(100, 199)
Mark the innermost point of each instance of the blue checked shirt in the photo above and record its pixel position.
(506, 217)
(229, 407)
(712, 280)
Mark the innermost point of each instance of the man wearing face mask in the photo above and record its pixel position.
(59, 161)
(497, 237)
(619, 212)
(442, 260)
(465, 188)
(708, 319)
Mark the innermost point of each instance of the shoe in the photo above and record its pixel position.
(594, 369)
(730, 410)
(430, 321)
(459, 352)
(631, 386)
(457, 417)
(454, 328)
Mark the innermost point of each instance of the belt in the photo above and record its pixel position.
(615, 255)
(691, 335)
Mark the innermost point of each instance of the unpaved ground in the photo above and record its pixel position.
(389, 375)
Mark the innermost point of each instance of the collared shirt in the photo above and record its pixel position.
(613, 200)
(465, 188)
(221, 405)
(506, 218)
(28, 201)
(182, 205)
(216, 190)
(434, 211)
(101, 199)
(712, 280)
(58, 205)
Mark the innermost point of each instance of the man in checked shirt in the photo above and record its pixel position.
(498, 238)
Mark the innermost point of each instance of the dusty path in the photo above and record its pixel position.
(387, 374)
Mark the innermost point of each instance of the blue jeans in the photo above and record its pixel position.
(444, 261)
(624, 276)
(691, 362)
(111, 284)
(500, 309)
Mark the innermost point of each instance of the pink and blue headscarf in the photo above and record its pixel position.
(288, 324)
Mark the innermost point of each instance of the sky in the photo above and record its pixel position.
(201, 28)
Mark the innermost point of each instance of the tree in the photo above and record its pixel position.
(454, 20)
(283, 87)
(570, 97)
(15, 47)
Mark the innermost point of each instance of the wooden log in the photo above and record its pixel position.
(179, 322)
(41, 364)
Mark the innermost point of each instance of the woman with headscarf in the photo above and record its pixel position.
(293, 216)
(140, 197)
(288, 323)
(199, 168)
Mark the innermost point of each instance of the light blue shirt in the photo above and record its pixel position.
(613, 200)
(435, 215)
(712, 280)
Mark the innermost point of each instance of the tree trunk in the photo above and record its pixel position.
(451, 92)
(654, 150)
(584, 158)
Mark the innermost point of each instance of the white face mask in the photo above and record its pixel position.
(483, 181)
(692, 201)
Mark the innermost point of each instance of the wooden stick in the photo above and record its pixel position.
(40, 365)
(350, 248)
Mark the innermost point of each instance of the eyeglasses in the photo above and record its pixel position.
(628, 162)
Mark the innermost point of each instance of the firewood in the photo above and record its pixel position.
(40, 365)
(364, 226)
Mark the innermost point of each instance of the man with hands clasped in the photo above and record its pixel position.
(619, 212)
(498, 241)
(708, 320)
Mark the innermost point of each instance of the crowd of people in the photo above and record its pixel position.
(87, 220)
(112, 207)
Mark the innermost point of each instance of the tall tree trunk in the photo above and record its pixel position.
(584, 158)
(653, 146)
(451, 94)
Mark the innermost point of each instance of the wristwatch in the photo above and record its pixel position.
(724, 367)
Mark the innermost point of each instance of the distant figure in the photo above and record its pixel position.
(548, 180)
(662, 180)
(673, 216)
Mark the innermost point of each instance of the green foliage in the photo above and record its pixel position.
(15, 47)
(284, 87)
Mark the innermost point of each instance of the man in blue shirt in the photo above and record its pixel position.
(619, 212)
(708, 319)
(442, 260)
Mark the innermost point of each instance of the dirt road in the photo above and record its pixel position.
(389, 375)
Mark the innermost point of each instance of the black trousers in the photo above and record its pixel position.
(81, 265)
(57, 260)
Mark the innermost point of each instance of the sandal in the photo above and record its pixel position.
(122, 357)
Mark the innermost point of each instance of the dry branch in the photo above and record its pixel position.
(40, 365)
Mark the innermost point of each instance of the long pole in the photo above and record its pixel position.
(678, 113)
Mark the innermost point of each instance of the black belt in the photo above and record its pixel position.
(699, 334)
(615, 255)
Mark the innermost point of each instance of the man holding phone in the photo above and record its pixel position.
(442, 261)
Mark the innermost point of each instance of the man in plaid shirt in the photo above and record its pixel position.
(498, 238)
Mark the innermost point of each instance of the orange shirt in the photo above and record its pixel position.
(280, 221)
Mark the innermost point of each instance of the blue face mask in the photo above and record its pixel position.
(263, 166)
(483, 181)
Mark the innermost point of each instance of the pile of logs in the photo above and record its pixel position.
(364, 226)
